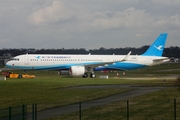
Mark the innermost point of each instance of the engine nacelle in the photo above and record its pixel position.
(63, 72)
(77, 70)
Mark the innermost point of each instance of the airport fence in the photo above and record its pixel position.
(19, 112)
(167, 109)
(153, 109)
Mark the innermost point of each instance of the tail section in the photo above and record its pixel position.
(156, 49)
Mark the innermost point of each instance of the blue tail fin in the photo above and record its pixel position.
(156, 49)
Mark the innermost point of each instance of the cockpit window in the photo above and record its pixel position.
(15, 59)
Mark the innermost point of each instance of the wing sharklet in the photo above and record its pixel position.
(127, 56)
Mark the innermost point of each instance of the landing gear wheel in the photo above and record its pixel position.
(85, 75)
(20, 76)
(92, 75)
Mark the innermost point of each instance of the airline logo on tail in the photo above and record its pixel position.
(156, 49)
(160, 47)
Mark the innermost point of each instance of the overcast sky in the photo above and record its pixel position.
(88, 24)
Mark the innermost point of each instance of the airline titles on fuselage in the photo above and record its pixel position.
(52, 57)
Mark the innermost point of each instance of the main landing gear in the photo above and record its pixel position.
(92, 75)
(85, 75)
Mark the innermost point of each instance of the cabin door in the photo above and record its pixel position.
(26, 60)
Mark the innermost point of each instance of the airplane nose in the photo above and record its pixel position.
(9, 64)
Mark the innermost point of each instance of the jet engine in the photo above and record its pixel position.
(77, 70)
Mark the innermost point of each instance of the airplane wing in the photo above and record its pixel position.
(106, 63)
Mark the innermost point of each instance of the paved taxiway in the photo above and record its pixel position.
(137, 91)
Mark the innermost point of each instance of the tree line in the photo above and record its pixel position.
(9, 52)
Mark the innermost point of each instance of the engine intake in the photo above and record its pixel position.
(77, 70)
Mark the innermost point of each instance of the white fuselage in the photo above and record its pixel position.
(58, 62)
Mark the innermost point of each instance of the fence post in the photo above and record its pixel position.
(174, 109)
(23, 112)
(35, 111)
(127, 109)
(9, 112)
(79, 110)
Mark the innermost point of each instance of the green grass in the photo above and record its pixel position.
(49, 89)
(153, 106)
(58, 91)
(47, 86)
(45, 90)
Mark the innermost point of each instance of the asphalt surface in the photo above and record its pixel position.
(57, 111)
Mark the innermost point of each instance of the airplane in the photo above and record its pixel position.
(81, 65)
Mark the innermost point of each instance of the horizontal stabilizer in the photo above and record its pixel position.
(162, 60)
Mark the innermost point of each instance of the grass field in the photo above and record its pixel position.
(153, 106)
(48, 88)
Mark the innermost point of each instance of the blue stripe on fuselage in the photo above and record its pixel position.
(120, 66)
(51, 67)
